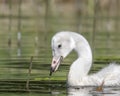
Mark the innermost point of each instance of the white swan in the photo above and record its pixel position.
(63, 43)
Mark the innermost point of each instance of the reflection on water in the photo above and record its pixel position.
(91, 91)
(58, 88)
(81, 91)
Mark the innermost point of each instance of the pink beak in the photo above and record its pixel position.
(55, 64)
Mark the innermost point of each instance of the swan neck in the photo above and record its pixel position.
(81, 66)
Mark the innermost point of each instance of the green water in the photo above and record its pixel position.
(14, 69)
(14, 75)
(81, 91)
(13, 81)
(37, 30)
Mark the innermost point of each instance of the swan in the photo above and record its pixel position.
(63, 43)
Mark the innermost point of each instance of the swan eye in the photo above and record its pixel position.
(59, 46)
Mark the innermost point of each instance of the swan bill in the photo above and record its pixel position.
(51, 71)
(55, 64)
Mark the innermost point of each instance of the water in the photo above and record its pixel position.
(14, 75)
(91, 91)
(42, 85)
(35, 41)
(59, 91)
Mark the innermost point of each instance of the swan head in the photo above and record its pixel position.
(62, 44)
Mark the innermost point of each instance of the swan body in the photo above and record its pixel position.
(63, 43)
